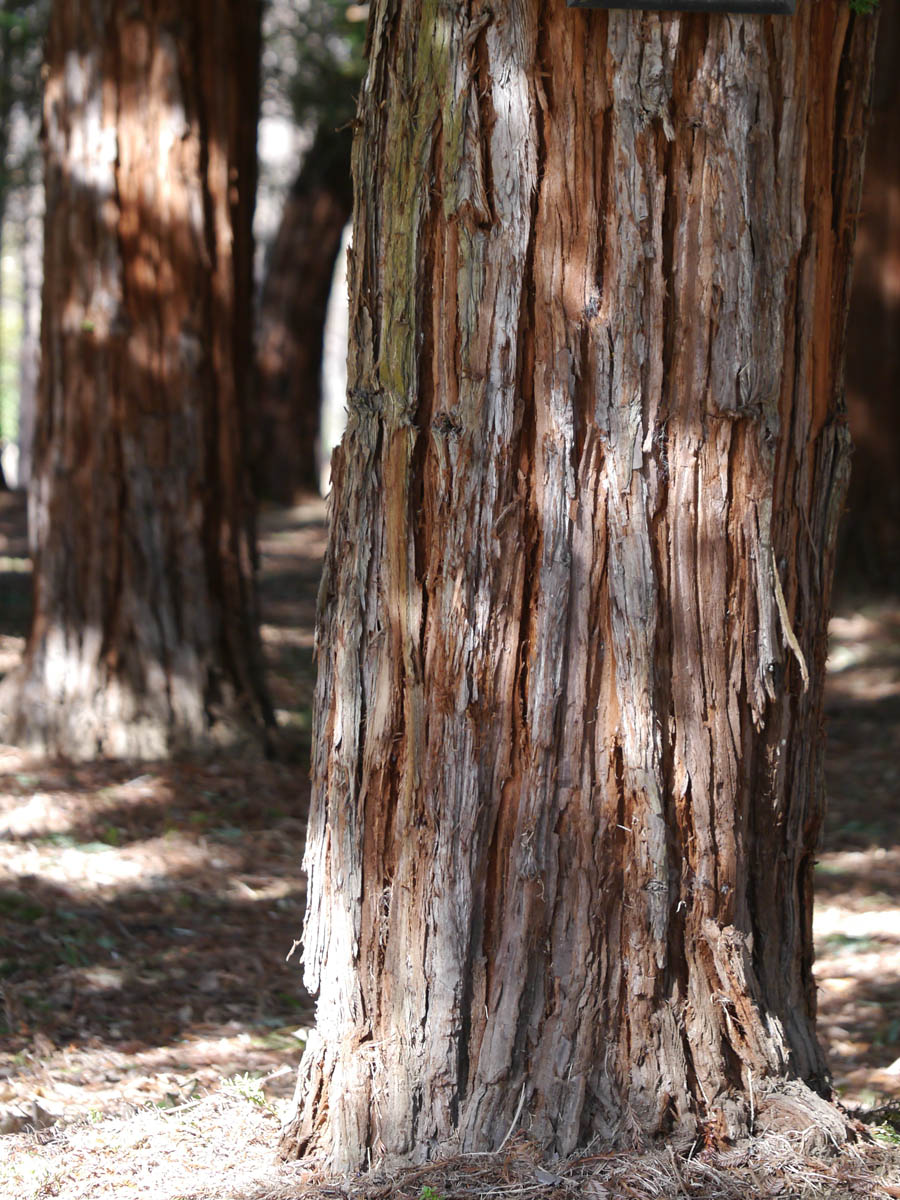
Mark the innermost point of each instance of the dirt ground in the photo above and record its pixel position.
(148, 912)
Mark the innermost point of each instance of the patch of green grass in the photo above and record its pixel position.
(829, 868)
(888, 1035)
(65, 841)
(247, 1087)
(281, 1037)
(872, 831)
(886, 1135)
(228, 833)
(18, 907)
(289, 1000)
(837, 942)
(35, 1004)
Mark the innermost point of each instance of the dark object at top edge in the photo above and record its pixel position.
(747, 7)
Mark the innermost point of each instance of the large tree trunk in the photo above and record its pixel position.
(292, 320)
(870, 540)
(568, 746)
(143, 636)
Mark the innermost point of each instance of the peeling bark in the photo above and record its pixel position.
(568, 748)
(143, 637)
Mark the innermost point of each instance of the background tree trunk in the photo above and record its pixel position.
(568, 749)
(143, 636)
(292, 320)
(32, 225)
(870, 540)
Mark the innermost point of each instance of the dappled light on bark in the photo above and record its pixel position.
(567, 766)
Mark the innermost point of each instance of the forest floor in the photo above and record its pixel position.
(151, 1013)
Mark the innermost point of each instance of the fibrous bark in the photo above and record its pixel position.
(568, 749)
(143, 636)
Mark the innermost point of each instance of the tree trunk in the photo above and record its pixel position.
(143, 637)
(30, 349)
(292, 320)
(568, 746)
(870, 540)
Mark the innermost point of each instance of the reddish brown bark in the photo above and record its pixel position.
(567, 763)
(292, 320)
(143, 636)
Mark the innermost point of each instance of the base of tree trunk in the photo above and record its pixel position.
(91, 717)
(787, 1109)
(766, 1166)
(567, 754)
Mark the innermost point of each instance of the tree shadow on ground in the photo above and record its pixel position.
(857, 919)
(147, 910)
(133, 921)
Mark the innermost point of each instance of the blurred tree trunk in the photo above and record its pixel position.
(30, 348)
(6, 104)
(292, 320)
(143, 637)
(568, 756)
(870, 540)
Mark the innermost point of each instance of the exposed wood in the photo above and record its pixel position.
(567, 773)
(143, 637)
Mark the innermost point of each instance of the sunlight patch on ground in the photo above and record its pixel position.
(99, 869)
(72, 1081)
(276, 635)
(880, 923)
(864, 654)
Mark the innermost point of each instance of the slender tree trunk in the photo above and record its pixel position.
(143, 636)
(30, 348)
(870, 542)
(6, 106)
(292, 320)
(568, 746)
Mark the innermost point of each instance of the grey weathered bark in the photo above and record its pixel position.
(143, 636)
(568, 746)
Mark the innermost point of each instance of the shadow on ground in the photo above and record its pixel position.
(148, 911)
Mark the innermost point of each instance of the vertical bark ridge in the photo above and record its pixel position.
(565, 799)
